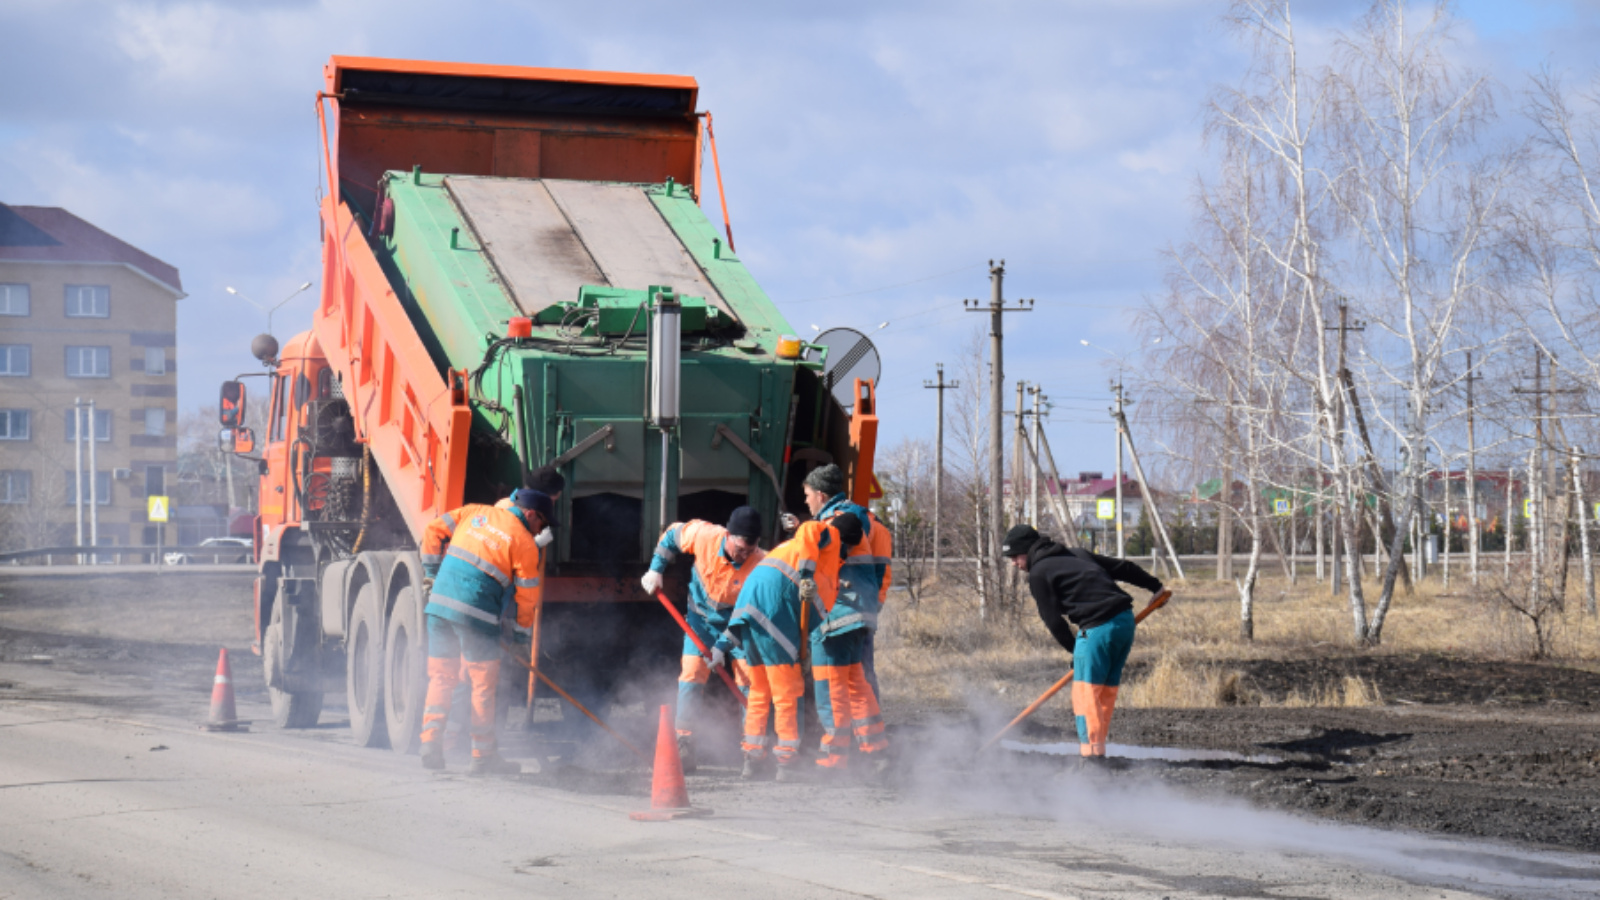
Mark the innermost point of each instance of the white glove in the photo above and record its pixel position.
(789, 522)
(808, 590)
(545, 537)
(717, 657)
(651, 582)
(427, 586)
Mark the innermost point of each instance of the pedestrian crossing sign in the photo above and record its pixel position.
(1105, 509)
(1280, 506)
(1527, 507)
(158, 506)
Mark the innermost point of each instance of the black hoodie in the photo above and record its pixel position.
(1080, 587)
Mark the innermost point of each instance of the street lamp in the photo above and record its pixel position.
(242, 296)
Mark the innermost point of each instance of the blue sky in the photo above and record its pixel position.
(875, 154)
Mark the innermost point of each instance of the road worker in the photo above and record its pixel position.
(782, 600)
(548, 481)
(723, 557)
(1076, 586)
(474, 558)
(847, 704)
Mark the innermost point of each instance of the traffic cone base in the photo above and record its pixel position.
(224, 717)
(669, 798)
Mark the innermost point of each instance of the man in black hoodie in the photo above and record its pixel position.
(1080, 587)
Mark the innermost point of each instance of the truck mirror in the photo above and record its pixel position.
(244, 440)
(230, 407)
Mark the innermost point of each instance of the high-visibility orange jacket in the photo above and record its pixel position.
(768, 617)
(482, 555)
(716, 581)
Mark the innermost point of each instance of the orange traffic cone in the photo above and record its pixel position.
(223, 715)
(669, 799)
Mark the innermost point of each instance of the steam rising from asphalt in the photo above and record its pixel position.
(938, 767)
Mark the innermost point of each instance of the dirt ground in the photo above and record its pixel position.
(1459, 746)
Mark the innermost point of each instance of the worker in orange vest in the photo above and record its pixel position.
(847, 702)
(723, 558)
(790, 591)
(473, 558)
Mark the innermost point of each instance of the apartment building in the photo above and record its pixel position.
(83, 316)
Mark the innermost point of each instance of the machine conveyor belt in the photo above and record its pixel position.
(547, 238)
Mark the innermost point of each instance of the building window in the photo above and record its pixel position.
(88, 301)
(155, 361)
(155, 421)
(16, 359)
(16, 424)
(14, 300)
(102, 424)
(102, 488)
(88, 362)
(155, 481)
(16, 486)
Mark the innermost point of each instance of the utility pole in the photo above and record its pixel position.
(1121, 432)
(1151, 509)
(997, 383)
(1033, 481)
(1538, 530)
(1344, 328)
(77, 486)
(938, 456)
(1019, 506)
(1472, 479)
(94, 485)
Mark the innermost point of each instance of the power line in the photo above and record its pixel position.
(888, 287)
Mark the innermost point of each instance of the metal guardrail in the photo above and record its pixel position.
(115, 555)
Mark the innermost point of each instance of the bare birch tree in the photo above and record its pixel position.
(1419, 202)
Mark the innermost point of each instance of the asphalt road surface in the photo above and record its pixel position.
(107, 788)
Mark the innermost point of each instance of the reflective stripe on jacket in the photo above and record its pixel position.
(486, 554)
(714, 587)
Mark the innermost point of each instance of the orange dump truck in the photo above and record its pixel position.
(517, 273)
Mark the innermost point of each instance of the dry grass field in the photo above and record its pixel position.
(1187, 655)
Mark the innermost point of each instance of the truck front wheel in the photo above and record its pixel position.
(290, 709)
(364, 669)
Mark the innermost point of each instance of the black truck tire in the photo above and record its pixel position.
(290, 709)
(364, 669)
(405, 669)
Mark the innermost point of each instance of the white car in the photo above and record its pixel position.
(237, 550)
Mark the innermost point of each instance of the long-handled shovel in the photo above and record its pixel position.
(1156, 603)
(581, 708)
(699, 645)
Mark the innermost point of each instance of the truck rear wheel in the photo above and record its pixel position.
(405, 670)
(290, 709)
(364, 669)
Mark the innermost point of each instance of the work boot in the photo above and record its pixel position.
(493, 764)
(1101, 764)
(754, 768)
(433, 756)
(878, 764)
(686, 754)
(789, 772)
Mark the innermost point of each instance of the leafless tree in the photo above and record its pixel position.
(907, 474)
(1281, 108)
(1420, 198)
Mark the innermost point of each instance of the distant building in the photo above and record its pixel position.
(1082, 501)
(83, 315)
